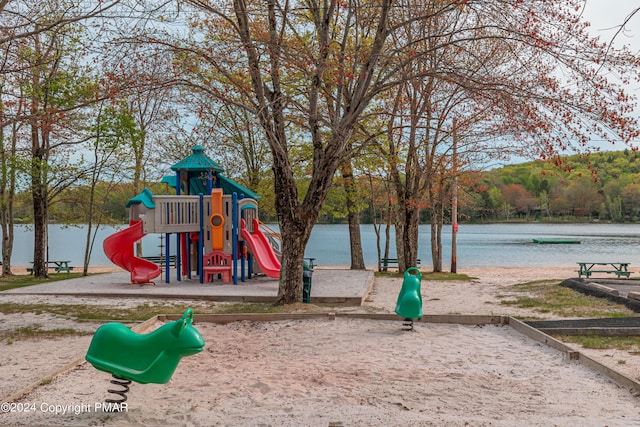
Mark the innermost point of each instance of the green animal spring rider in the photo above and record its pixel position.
(409, 304)
(143, 358)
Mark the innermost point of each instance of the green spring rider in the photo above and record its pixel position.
(143, 358)
(409, 304)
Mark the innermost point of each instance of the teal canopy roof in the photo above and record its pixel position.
(198, 185)
(146, 198)
(229, 186)
(170, 180)
(197, 161)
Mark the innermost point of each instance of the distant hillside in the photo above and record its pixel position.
(601, 186)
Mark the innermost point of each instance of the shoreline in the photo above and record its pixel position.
(21, 270)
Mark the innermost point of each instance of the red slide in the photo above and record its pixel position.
(261, 249)
(119, 249)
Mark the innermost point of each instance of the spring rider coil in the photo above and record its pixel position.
(143, 358)
(409, 303)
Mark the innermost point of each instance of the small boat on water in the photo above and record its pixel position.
(545, 240)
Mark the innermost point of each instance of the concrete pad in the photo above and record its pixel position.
(328, 286)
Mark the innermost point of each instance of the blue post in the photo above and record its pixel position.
(178, 260)
(242, 260)
(167, 273)
(188, 239)
(167, 260)
(178, 234)
(201, 239)
(234, 236)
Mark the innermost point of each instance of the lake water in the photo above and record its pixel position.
(496, 245)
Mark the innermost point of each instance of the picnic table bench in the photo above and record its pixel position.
(58, 266)
(617, 268)
(385, 263)
(160, 260)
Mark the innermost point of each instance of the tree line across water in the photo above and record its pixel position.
(602, 186)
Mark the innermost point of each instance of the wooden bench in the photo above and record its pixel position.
(56, 266)
(618, 268)
(160, 260)
(385, 263)
(215, 264)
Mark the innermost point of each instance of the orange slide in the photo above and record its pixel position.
(119, 249)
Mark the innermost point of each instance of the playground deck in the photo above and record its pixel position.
(329, 286)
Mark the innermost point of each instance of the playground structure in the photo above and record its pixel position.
(218, 233)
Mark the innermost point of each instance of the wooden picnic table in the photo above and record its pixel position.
(58, 266)
(385, 263)
(617, 268)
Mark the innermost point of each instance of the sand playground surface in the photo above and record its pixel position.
(338, 371)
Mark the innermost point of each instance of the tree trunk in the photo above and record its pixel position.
(7, 193)
(291, 284)
(408, 238)
(353, 215)
(296, 217)
(39, 196)
(40, 202)
(355, 241)
(88, 243)
(137, 184)
(39, 193)
(295, 229)
(387, 239)
(374, 219)
(436, 222)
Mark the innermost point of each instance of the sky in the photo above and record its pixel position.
(606, 15)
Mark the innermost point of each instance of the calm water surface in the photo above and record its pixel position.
(496, 245)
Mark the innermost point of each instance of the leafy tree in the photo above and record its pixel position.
(518, 197)
(9, 163)
(317, 65)
(309, 71)
(630, 194)
(108, 148)
(583, 196)
(55, 89)
(44, 89)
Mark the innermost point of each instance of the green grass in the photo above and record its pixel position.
(435, 276)
(86, 312)
(22, 280)
(546, 296)
(598, 342)
(35, 331)
(97, 313)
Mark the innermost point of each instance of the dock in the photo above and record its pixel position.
(545, 240)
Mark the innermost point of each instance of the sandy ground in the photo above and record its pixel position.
(342, 372)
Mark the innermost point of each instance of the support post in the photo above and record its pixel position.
(454, 202)
(234, 236)
(201, 239)
(167, 273)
